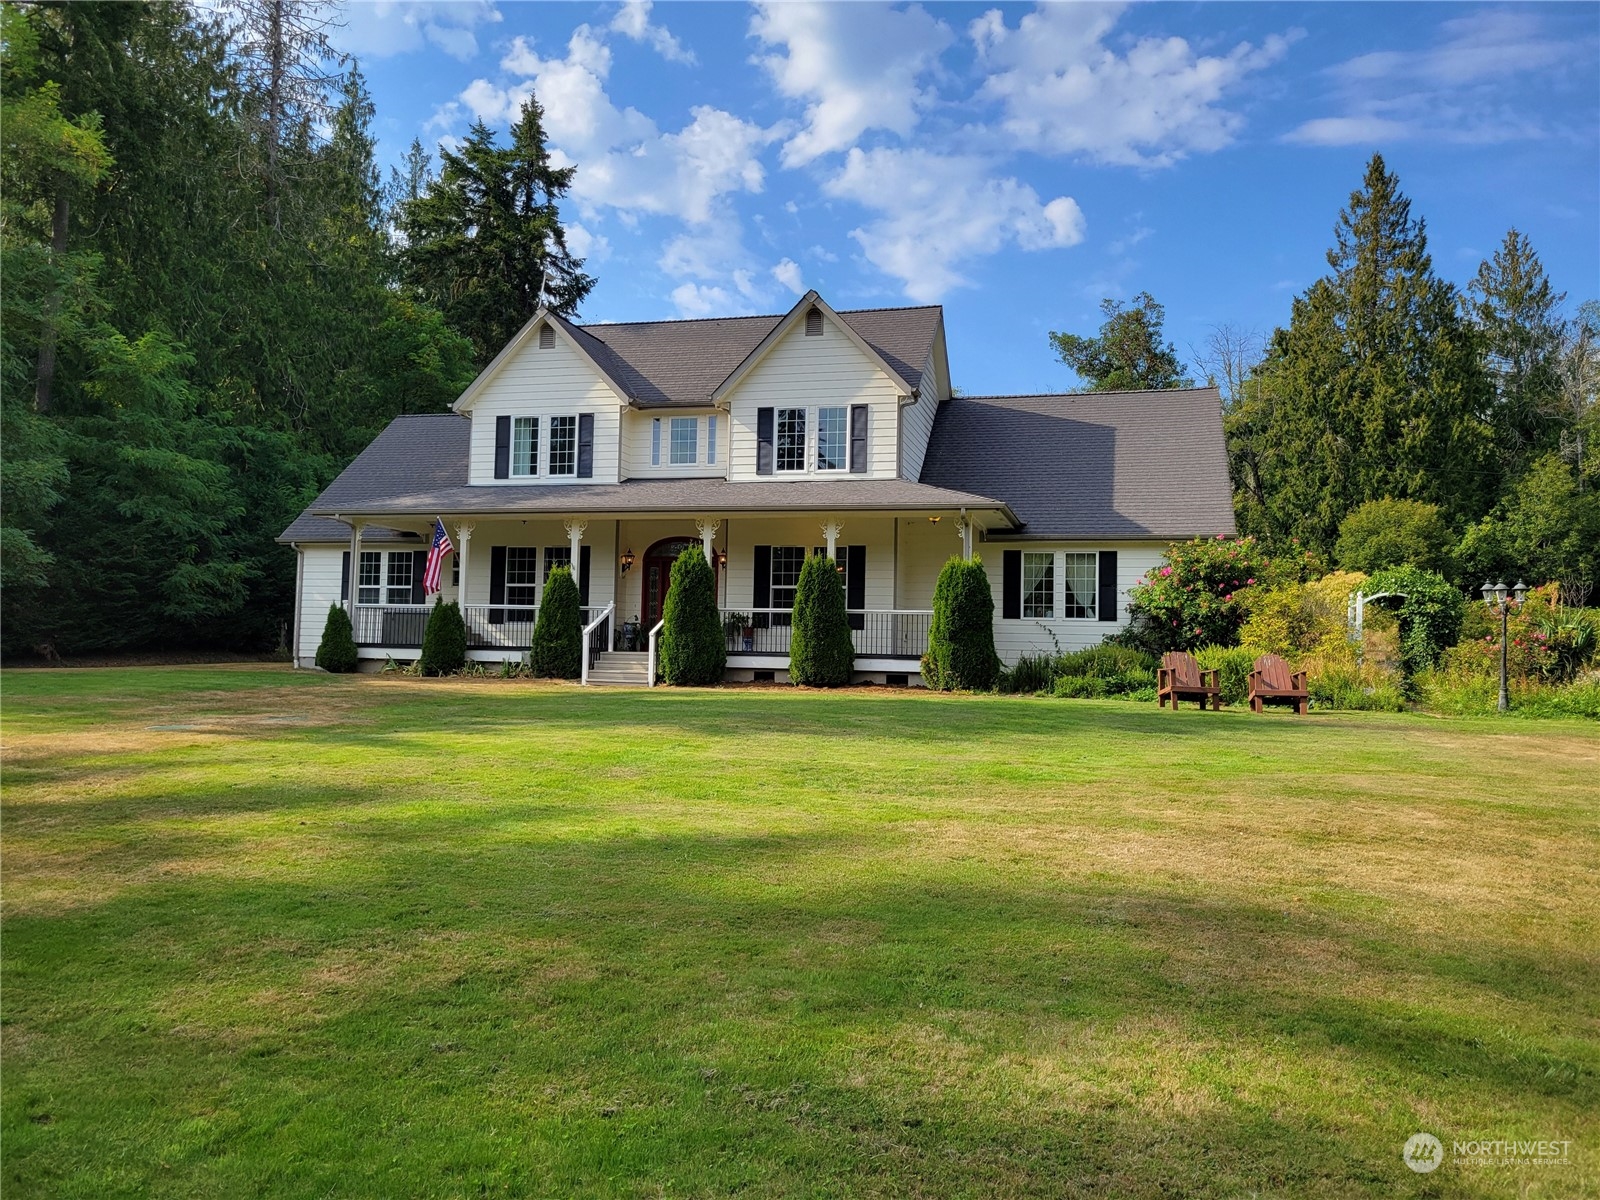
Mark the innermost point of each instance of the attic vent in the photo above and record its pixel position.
(547, 337)
(814, 322)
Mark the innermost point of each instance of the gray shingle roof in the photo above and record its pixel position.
(418, 467)
(1091, 465)
(680, 363)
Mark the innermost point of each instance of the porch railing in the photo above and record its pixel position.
(596, 638)
(875, 633)
(489, 626)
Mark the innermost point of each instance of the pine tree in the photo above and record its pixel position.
(821, 653)
(485, 244)
(1128, 355)
(1515, 309)
(556, 651)
(1375, 388)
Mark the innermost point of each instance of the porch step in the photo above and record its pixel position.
(620, 668)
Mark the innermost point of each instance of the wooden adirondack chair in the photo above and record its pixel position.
(1180, 677)
(1273, 683)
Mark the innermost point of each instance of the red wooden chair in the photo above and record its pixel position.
(1181, 678)
(1273, 683)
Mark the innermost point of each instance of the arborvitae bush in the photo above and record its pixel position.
(444, 641)
(337, 651)
(961, 654)
(556, 651)
(694, 647)
(821, 653)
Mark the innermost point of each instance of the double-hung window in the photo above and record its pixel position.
(563, 445)
(1039, 585)
(684, 446)
(398, 577)
(369, 587)
(786, 564)
(556, 556)
(833, 439)
(525, 445)
(522, 575)
(791, 440)
(1082, 584)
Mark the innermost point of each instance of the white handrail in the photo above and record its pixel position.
(588, 632)
(650, 669)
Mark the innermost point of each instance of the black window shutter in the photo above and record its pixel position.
(1011, 585)
(583, 575)
(764, 441)
(761, 597)
(419, 565)
(497, 584)
(858, 439)
(585, 447)
(1106, 609)
(344, 578)
(855, 584)
(502, 447)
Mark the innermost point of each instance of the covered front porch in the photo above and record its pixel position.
(497, 573)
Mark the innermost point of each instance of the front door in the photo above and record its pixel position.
(657, 577)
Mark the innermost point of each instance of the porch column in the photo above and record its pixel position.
(831, 532)
(355, 564)
(463, 545)
(708, 533)
(574, 528)
(964, 528)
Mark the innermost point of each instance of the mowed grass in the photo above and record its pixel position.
(282, 934)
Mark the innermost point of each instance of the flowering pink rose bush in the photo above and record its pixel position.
(1195, 597)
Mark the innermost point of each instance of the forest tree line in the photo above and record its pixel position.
(214, 299)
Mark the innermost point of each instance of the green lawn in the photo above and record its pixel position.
(284, 934)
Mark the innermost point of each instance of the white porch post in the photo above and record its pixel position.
(575, 530)
(964, 528)
(708, 533)
(355, 564)
(831, 532)
(463, 545)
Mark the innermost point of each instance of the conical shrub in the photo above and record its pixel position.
(961, 655)
(556, 651)
(821, 653)
(444, 641)
(694, 648)
(337, 650)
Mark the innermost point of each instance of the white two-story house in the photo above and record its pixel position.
(762, 440)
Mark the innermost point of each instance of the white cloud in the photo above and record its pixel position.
(938, 211)
(1460, 89)
(585, 243)
(382, 28)
(633, 21)
(698, 300)
(1062, 90)
(788, 273)
(858, 67)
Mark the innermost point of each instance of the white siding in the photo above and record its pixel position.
(320, 586)
(557, 381)
(543, 533)
(916, 420)
(1028, 635)
(741, 536)
(636, 443)
(808, 372)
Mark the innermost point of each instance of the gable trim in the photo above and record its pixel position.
(793, 317)
(544, 317)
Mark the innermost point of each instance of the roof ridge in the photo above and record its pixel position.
(409, 416)
(843, 312)
(1210, 387)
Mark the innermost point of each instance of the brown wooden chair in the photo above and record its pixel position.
(1273, 683)
(1181, 678)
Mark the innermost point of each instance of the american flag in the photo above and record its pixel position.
(436, 552)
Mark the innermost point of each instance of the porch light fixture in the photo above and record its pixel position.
(722, 559)
(934, 520)
(627, 560)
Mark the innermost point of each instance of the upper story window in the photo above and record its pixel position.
(1082, 581)
(684, 446)
(563, 445)
(525, 446)
(1039, 585)
(711, 439)
(791, 440)
(833, 439)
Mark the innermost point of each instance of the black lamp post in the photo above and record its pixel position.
(1497, 594)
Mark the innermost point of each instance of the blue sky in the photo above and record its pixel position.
(1015, 163)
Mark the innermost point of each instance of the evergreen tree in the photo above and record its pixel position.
(1544, 530)
(961, 654)
(1129, 354)
(1394, 533)
(337, 650)
(444, 640)
(1515, 310)
(1374, 389)
(694, 649)
(556, 651)
(485, 243)
(821, 653)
